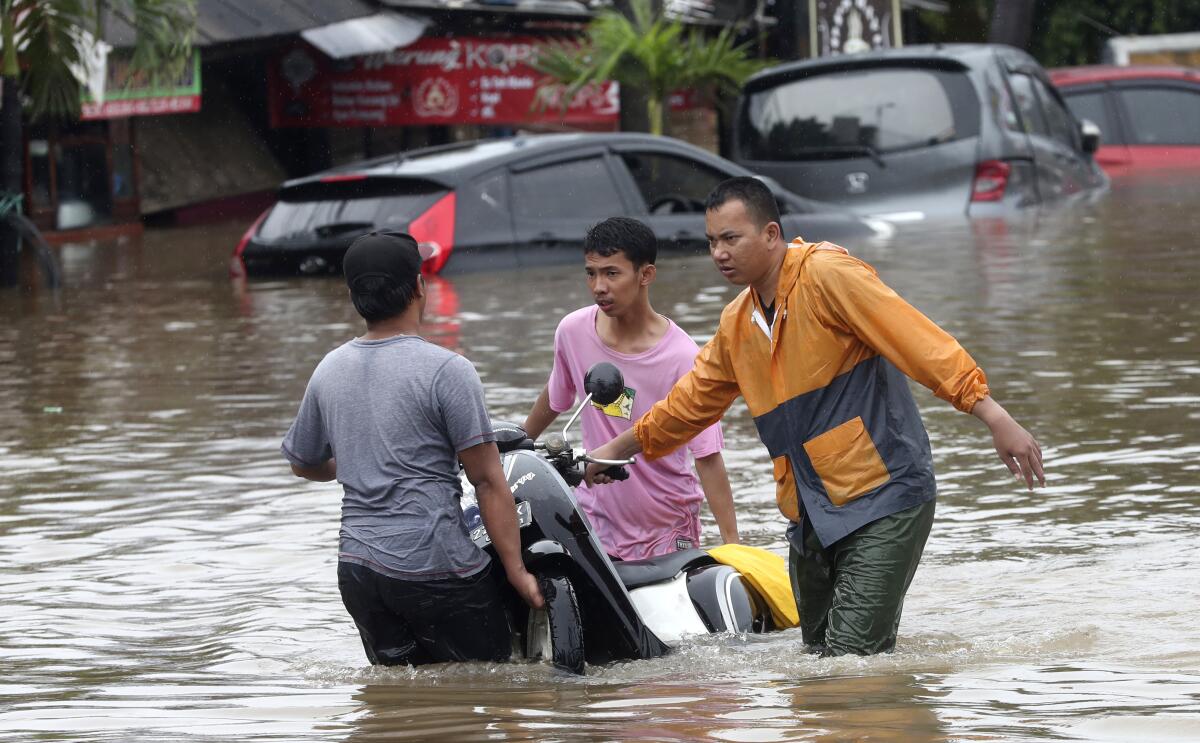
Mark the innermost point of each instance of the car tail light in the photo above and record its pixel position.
(236, 267)
(435, 228)
(991, 178)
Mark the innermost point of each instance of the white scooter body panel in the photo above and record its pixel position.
(666, 608)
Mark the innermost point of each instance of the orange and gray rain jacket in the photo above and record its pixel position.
(826, 386)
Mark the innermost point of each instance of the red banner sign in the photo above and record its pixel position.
(436, 80)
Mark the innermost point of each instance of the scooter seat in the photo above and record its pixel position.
(638, 573)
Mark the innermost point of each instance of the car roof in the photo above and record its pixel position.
(954, 55)
(449, 164)
(1068, 76)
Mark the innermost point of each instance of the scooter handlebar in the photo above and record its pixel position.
(611, 462)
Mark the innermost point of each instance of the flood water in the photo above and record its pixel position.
(163, 576)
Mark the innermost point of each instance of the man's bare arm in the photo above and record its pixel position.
(482, 465)
(541, 416)
(323, 472)
(715, 482)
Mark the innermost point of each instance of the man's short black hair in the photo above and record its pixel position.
(759, 201)
(379, 298)
(622, 235)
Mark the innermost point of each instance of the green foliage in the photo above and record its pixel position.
(649, 53)
(164, 29)
(48, 37)
(1066, 32)
(1071, 32)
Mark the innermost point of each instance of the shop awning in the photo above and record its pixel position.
(374, 34)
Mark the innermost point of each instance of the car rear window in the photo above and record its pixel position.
(845, 113)
(325, 209)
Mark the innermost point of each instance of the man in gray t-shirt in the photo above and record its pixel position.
(390, 416)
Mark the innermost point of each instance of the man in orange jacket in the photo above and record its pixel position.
(819, 348)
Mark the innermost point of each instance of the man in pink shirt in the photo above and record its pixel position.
(657, 510)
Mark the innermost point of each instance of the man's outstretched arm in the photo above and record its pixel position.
(1017, 448)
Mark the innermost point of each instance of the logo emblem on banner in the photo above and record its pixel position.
(436, 97)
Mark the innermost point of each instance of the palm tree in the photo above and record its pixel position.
(649, 53)
(42, 41)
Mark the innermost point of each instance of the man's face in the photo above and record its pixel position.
(737, 245)
(614, 282)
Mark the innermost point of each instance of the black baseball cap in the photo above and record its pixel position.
(396, 256)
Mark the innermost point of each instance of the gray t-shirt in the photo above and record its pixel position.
(394, 413)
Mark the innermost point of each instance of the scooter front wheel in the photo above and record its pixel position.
(556, 632)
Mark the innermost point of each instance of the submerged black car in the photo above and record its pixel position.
(525, 201)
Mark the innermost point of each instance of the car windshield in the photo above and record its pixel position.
(325, 210)
(859, 113)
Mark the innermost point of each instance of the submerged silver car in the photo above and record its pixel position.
(922, 131)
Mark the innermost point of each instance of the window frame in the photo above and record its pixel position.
(626, 173)
(1026, 126)
(1117, 135)
(545, 161)
(1117, 86)
(1045, 89)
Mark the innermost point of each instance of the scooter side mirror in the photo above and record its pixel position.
(604, 382)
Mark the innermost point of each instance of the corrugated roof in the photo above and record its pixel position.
(224, 21)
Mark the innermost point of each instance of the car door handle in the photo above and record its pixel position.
(545, 237)
(684, 235)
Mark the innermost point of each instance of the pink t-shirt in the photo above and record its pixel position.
(657, 510)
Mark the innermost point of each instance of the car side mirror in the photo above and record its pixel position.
(1089, 136)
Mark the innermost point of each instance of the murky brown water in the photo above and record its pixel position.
(162, 575)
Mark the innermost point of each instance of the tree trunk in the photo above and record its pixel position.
(633, 117)
(10, 174)
(1012, 23)
(656, 112)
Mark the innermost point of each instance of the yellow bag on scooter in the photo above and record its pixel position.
(768, 573)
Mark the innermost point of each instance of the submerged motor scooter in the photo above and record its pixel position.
(598, 609)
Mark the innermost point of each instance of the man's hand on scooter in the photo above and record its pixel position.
(607, 473)
(527, 587)
(594, 474)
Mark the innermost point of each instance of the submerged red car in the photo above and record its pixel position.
(1149, 117)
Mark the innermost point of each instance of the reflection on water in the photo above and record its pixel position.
(165, 576)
